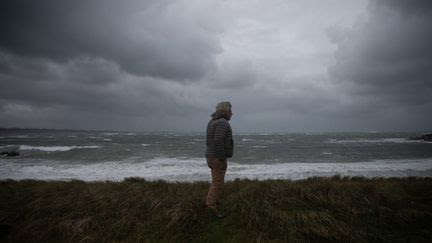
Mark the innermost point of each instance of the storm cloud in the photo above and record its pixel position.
(390, 53)
(384, 61)
(163, 65)
(156, 38)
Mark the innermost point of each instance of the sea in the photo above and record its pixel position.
(113, 155)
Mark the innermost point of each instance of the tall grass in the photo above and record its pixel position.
(317, 209)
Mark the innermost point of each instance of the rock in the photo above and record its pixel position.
(10, 150)
(424, 137)
(427, 137)
(12, 153)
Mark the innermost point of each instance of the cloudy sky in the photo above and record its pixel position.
(293, 66)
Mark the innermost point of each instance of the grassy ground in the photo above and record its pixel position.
(317, 209)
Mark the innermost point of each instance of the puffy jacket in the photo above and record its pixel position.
(219, 137)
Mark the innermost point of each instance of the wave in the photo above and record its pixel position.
(93, 137)
(175, 169)
(270, 141)
(19, 136)
(54, 148)
(110, 133)
(381, 140)
(116, 133)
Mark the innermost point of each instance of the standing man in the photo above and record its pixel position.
(220, 146)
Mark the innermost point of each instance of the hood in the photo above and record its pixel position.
(218, 114)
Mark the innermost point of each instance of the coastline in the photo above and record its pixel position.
(196, 169)
(316, 209)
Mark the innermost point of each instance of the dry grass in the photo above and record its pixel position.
(318, 209)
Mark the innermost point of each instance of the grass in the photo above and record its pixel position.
(314, 210)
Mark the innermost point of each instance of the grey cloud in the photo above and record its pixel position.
(89, 71)
(163, 65)
(91, 85)
(152, 38)
(235, 75)
(23, 67)
(415, 7)
(389, 55)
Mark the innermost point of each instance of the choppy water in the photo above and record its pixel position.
(90, 155)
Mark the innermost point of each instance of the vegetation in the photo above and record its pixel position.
(317, 209)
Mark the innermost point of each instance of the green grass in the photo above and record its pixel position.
(313, 210)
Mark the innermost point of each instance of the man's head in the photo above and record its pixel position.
(225, 107)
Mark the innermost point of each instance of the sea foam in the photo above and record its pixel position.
(175, 169)
(381, 140)
(54, 148)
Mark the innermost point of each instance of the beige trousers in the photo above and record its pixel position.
(218, 168)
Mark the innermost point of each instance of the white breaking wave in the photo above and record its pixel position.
(174, 169)
(262, 141)
(55, 148)
(19, 136)
(110, 133)
(381, 140)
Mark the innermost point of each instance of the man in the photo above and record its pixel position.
(220, 146)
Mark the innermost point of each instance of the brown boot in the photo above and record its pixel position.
(216, 212)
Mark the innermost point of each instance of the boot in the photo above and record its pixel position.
(216, 212)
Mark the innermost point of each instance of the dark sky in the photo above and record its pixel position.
(291, 66)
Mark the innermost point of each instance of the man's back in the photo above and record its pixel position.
(219, 138)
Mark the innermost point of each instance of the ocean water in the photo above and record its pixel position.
(107, 155)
